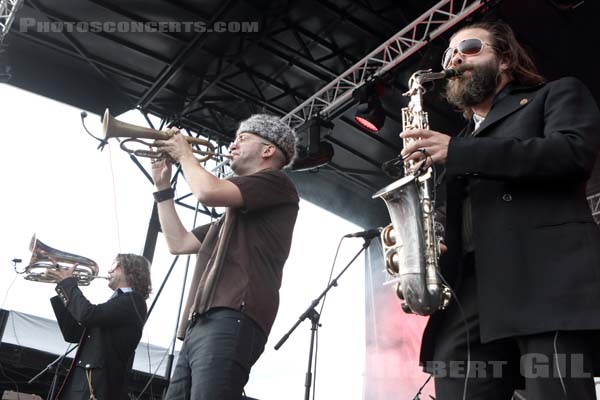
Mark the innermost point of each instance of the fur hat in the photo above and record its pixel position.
(270, 127)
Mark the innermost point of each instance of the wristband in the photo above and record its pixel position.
(163, 195)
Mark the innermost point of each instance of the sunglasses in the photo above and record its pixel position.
(467, 47)
(245, 138)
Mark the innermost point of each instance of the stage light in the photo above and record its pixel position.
(369, 112)
(370, 115)
(311, 151)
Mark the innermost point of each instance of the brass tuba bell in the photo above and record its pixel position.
(113, 128)
(44, 257)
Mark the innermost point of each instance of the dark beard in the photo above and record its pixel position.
(468, 91)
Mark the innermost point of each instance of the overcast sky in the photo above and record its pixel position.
(96, 204)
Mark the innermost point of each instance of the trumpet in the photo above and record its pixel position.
(113, 128)
(44, 258)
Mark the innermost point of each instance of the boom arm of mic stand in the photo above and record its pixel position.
(52, 364)
(310, 311)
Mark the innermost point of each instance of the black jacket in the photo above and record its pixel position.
(108, 335)
(537, 248)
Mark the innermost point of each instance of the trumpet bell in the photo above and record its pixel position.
(113, 128)
(44, 258)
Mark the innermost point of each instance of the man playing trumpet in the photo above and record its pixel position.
(234, 293)
(107, 333)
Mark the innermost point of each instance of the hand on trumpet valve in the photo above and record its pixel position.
(59, 273)
(177, 147)
(161, 172)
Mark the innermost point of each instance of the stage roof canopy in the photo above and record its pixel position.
(271, 56)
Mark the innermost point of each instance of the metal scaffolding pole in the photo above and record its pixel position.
(594, 202)
(8, 10)
(437, 20)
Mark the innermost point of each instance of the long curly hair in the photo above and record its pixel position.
(137, 272)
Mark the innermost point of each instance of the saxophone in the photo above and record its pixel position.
(411, 243)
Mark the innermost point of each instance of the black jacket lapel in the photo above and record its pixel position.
(517, 98)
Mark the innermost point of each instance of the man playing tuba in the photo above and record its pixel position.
(107, 333)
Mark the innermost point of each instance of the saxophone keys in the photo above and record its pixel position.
(388, 236)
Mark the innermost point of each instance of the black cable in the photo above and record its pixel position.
(460, 308)
(331, 272)
(8, 291)
(464, 320)
(445, 282)
(417, 173)
(314, 384)
(420, 170)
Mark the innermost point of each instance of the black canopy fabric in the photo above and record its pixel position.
(207, 65)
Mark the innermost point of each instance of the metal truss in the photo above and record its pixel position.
(169, 72)
(8, 10)
(594, 202)
(399, 47)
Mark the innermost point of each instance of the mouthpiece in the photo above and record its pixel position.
(452, 73)
(427, 76)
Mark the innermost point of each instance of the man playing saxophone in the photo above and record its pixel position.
(107, 333)
(523, 251)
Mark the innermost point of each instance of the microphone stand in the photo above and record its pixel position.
(314, 317)
(418, 395)
(57, 360)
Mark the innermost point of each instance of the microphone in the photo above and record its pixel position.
(394, 168)
(368, 234)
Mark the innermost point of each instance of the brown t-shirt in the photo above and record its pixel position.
(240, 262)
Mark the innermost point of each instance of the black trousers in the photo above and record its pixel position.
(549, 365)
(218, 351)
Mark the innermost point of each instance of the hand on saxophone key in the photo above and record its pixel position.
(425, 143)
